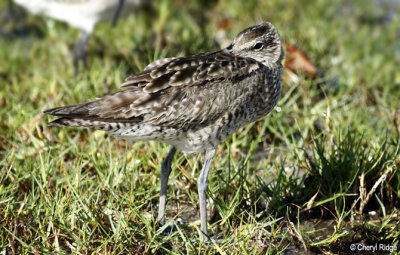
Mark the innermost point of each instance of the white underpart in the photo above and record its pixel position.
(83, 14)
(141, 132)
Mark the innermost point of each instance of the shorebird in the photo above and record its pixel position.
(82, 14)
(192, 103)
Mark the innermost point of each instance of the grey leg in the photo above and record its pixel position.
(12, 12)
(165, 171)
(80, 50)
(117, 12)
(202, 185)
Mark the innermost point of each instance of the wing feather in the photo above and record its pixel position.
(175, 92)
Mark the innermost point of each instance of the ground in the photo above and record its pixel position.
(319, 174)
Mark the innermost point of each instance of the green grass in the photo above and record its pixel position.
(306, 177)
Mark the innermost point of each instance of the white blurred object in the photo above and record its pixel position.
(82, 14)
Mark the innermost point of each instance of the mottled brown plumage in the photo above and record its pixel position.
(192, 103)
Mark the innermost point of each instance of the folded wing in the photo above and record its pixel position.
(177, 92)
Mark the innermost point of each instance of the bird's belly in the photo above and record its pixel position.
(188, 141)
(195, 139)
(143, 132)
(198, 140)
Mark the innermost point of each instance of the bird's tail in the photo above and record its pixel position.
(75, 122)
(72, 115)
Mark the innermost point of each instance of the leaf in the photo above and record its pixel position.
(296, 61)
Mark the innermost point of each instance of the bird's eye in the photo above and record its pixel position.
(258, 46)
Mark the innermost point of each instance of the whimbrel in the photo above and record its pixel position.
(192, 103)
(82, 14)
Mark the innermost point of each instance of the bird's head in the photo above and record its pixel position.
(260, 42)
